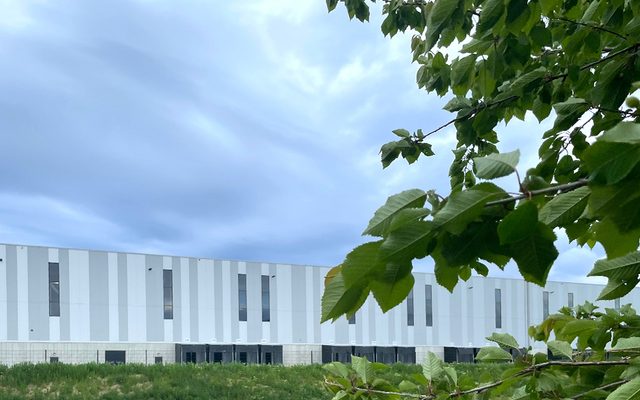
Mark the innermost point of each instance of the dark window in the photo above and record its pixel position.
(336, 356)
(352, 319)
(410, 308)
(616, 304)
(54, 360)
(158, 360)
(167, 286)
(570, 300)
(191, 357)
(242, 297)
(242, 357)
(115, 356)
(266, 308)
(428, 302)
(545, 305)
(217, 357)
(268, 358)
(498, 308)
(54, 289)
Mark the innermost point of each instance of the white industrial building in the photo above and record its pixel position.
(77, 306)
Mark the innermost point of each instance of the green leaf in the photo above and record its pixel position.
(618, 268)
(407, 386)
(560, 348)
(625, 132)
(617, 288)
(393, 286)
(496, 165)
(338, 300)
(403, 133)
(439, 17)
(331, 4)
(504, 340)
(460, 209)
(337, 369)
(611, 162)
(407, 242)
(530, 242)
(615, 243)
(493, 354)
(632, 343)
(360, 263)
(461, 69)
(432, 367)
(492, 10)
(452, 375)
(363, 368)
(628, 391)
(379, 224)
(340, 395)
(565, 208)
(578, 328)
(519, 224)
(568, 112)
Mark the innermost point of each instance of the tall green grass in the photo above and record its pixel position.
(181, 381)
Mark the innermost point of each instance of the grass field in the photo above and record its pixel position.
(185, 381)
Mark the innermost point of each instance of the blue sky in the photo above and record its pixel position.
(244, 130)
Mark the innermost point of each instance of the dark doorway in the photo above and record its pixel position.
(115, 356)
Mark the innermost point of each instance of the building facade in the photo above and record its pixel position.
(76, 306)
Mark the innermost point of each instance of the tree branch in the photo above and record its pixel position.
(565, 187)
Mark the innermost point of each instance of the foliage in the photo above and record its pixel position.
(577, 58)
(572, 61)
(605, 363)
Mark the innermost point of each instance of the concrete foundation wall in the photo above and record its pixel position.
(296, 354)
(12, 353)
(421, 352)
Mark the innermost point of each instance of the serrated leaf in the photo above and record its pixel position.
(337, 369)
(519, 224)
(407, 386)
(504, 340)
(393, 286)
(432, 367)
(578, 328)
(403, 133)
(379, 224)
(452, 374)
(610, 162)
(565, 208)
(625, 132)
(460, 209)
(363, 368)
(408, 242)
(338, 300)
(618, 268)
(560, 348)
(496, 165)
(615, 243)
(439, 17)
(628, 391)
(361, 262)
(407, 215)
(493, 354)
(340, 395)
(617, 288)
(492, 10)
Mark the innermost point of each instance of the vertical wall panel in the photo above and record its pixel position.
(318, 287)
(178, 306)
(234, 320)
(99, 295)
(273, 300)
(79, 312)
(114, 322)
(23, 292)
(3, 293)
(309, 305)
(136, 297)
(193, 299)
(254, 302)
(227, 311)
(123, 298)
(65, 302)
(185, 305)
(284, 295)
(54, 321)
(298, 306)
(154, 298)
(38, 301)
(12, 292)
(206, 307)
(218, 302)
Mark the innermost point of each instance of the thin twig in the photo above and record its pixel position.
(597, 27)
(603, 387)
(565, 187)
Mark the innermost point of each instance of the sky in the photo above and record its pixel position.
(244, 130)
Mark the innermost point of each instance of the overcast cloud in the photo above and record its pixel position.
(238, 130)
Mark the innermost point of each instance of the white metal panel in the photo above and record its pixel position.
(185, 299)
(79, 316)
(226, 301)
(206, 307)
(136, 296)
(285, 312)
(114, 320)
(3, 293)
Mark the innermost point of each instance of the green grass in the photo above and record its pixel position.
(185, 381)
